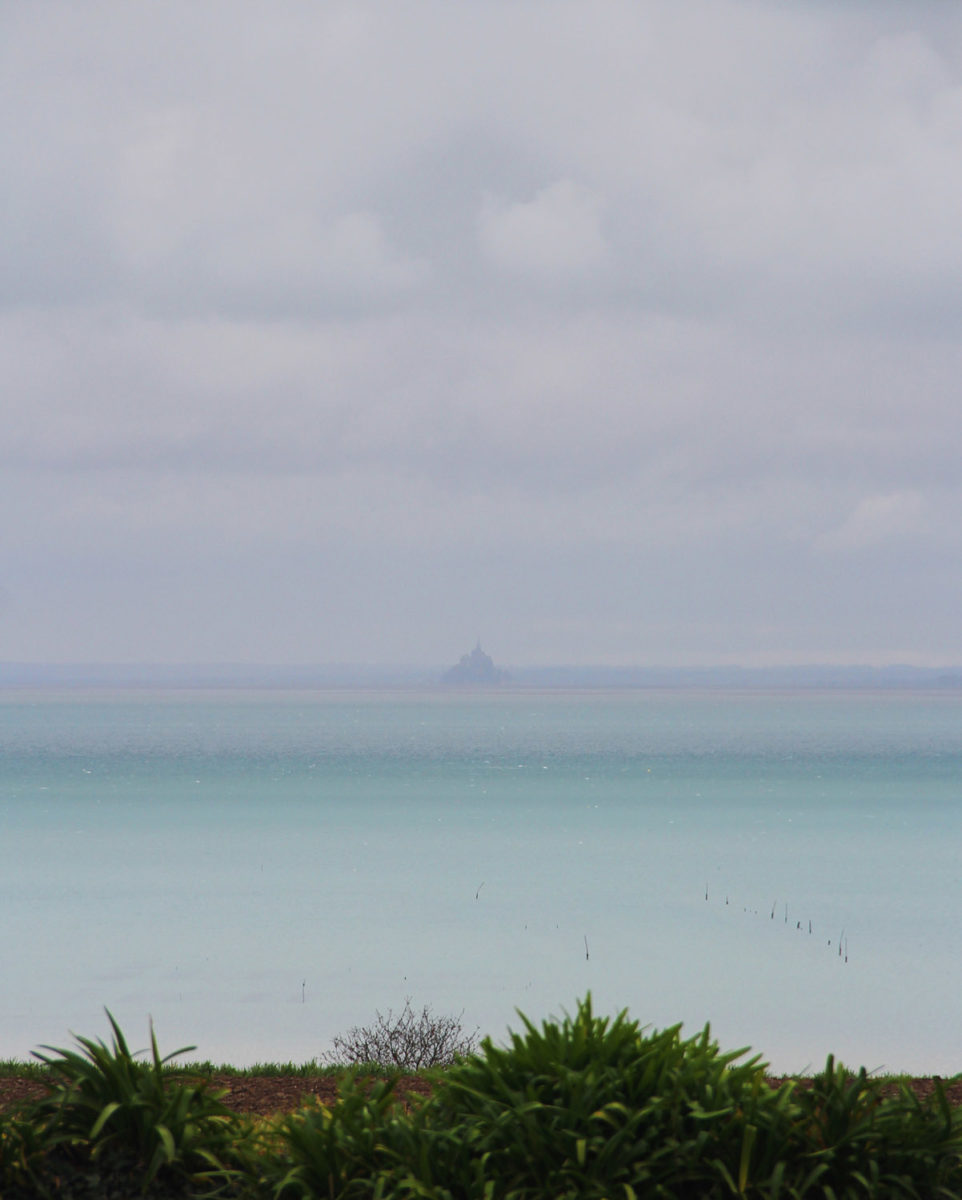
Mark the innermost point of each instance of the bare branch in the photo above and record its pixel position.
(407, 1042)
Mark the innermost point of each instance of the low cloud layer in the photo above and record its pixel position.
(612, 332)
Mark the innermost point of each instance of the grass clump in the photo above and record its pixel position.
(115, 1124)
(17, 1068)
(289, 1070)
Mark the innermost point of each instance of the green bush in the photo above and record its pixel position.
(852, 1140)
(585, 1108)
(22, 1155)
(336, 1151)
(595, 1106)
(111, 1116)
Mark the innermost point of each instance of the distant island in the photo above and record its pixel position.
(476, 667)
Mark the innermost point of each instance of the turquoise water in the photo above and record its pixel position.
(259, 871)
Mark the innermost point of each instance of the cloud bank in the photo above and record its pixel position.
(613, 332)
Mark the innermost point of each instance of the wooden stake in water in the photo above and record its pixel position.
(586, 948)
(303, 986)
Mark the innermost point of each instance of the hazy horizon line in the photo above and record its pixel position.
(385, 674)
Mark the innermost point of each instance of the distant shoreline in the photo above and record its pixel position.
(190, 676)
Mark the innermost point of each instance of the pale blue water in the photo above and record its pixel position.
(261, 870)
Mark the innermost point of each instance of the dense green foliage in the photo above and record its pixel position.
(587, 1107)
(110, 1122)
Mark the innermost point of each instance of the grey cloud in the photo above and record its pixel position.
(629, 326)
(239, 181)
(556, 233)
(877, 519)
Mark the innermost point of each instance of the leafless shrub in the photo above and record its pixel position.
(407, 1042)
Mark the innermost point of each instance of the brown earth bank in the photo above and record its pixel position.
(260, 1094)
(266, 1094)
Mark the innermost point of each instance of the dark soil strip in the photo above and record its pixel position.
(266, 1094)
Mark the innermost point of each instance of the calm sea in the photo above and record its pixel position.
(259, 871)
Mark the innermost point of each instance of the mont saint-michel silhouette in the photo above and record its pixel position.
(476, 667)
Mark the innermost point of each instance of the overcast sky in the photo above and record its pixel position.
(609, 332)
